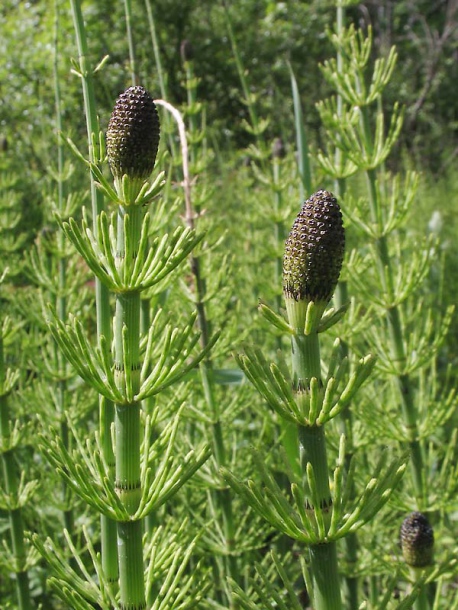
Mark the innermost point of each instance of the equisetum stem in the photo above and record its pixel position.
(16, 529)
(288, 429)
(160, 74)
(127, 420)
(279, 229)
(421, 603)
(312, 449)
(340, 298)
(404, 383)
(61, 305)
(223, 497)
(103, 313)
(241, 71)
(11, 488)
(130, 39)
(131, 571)
(346, 424)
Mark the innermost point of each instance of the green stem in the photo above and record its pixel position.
(192, 99)
(346, 425)
(222, 497)
(157, 55)
(421, 603)
(128, 484)
(241, 72)
(62, 273)
(160, 74)
(312, 450)
(131, 572)
(326, 590)
(279, 230)
(396, 334)
(130, 39)
(306, 361)
(103, 313)
(127, 419)
(11, 488)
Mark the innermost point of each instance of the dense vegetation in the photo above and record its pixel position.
(157, 352)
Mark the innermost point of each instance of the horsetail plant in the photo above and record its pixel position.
(415, 399)
(322, 512)
(225, 542)
(15, 492)
(84, 70)
(365, 146)
(227, 566)
(147, 473)
(132, 143)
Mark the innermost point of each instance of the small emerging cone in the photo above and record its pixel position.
(278, 149)
(314, 253)
(417, 540)
(133, 135)
(186, 51)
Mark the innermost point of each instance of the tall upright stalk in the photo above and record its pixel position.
(312, 450)
(61, 305)
(222, 496)
(127, 418)
(396, 333)
(317, 516)
(130, 40)
(312, 263)
(395, 268)
(159, 69)
(132, 143)
(106, 408)
(341, 298)
(10, 477)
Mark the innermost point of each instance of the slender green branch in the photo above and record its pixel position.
(106, 408)
(241, 72)
(312, 445)
(223, 497)
(11, 488)
(127, 418)
(396, 333)
(159, 69)
(62, 269)
(130, 39)
(340, 298)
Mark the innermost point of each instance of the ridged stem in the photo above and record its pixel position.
(240, 69)
(130, 40)
(279, 230)
(406, 389)
(346, 426)
(103, 313)
(11, 488)
(127, 420)
(288, 429)
(62, 274)
(222, 497)
(340, 298)
(159, 74)
(312, 449)
(422, 603)
(131, 572)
